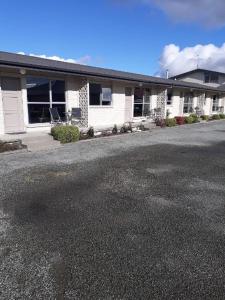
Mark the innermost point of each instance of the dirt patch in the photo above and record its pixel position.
(11, 146)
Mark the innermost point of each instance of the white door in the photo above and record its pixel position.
(12, 105)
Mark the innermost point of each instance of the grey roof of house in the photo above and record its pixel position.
(37, 63)
(194, 71)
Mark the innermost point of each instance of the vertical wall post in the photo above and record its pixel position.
(83, 101)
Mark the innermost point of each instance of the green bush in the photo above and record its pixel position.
(222, 116)
(205, 117)
(65, 134)
(216, 117)
(170, 122)
(189, 120)
(195, 118)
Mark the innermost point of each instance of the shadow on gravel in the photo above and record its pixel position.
(147, 224)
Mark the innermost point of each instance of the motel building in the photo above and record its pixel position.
(29, 86)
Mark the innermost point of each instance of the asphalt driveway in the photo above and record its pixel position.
(135, 217)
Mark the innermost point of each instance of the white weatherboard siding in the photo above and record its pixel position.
(103, 116)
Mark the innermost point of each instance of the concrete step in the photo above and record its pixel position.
(40, 142)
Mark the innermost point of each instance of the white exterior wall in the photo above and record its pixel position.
(175, 108)
(1, 112)
(72, 93)
(103, 116)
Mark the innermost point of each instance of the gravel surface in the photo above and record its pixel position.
(140, 216)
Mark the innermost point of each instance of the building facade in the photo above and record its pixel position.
(29, 86)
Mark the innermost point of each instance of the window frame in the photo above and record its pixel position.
(188, 104)
(215, 103)
(169, 103)
(101, 100)
(51, 103)
(211, 78)
(144, 102)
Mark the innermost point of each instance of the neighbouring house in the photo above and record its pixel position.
(29, 86)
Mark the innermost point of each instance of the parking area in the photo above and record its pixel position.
(139, 216)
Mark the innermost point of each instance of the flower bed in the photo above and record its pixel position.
(11, 146)
(180, 120)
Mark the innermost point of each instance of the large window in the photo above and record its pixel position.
(141, 102)
(211, 78)
(42, 94)
(100, 95)
(188, 103)
(215, 106)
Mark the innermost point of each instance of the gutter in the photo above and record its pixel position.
(90, 74)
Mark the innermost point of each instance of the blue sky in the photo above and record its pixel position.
(126, 35)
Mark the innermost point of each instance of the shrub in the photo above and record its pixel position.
(189, 120)
(91, 132)
(180, 120)
(141, 127)
(125, 128)
(205, 117)
(222, 116)
(160, 122)
(195, 118)
(216, 117)
(115, 129)
(170, 122)
(65, 134)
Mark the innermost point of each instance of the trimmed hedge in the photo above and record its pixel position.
(205, 117)
(222, 116)
(195, 118)
(189, 120)
(215, 117)
(170, 122)
(65, 134)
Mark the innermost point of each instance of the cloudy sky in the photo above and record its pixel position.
(145, 36)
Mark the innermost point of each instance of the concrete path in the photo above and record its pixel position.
(35, 141)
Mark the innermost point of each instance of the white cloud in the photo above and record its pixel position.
(178, 60)
(83, 60)
(209, 13)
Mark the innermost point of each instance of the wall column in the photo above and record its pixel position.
(161, 102)
(84, 101)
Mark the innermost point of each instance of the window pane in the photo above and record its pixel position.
(106, 94)
(61, 110)
(38, 113)
(58, 90)
(147, 95)
(169, 99)
(146, 110)
(138, 110)
(138, 95)
(95, 94)
(37, 89)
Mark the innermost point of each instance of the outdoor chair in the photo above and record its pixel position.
(76, 116)
(55, 117)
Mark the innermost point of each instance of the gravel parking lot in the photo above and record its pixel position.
(140, 216)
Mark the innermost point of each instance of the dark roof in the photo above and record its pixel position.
(194, 71)
(32, 62)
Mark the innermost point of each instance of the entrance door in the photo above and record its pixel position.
(12, 105)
